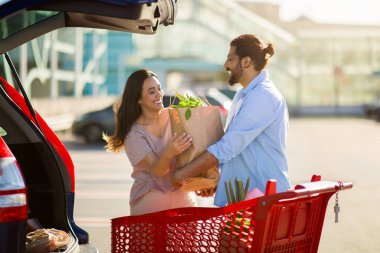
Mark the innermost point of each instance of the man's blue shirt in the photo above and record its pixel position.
(254, 142)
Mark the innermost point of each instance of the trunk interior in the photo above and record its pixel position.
(45, 174)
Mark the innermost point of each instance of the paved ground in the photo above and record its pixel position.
(338, 149)
(347, 150)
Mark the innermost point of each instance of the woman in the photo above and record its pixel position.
(142, 128)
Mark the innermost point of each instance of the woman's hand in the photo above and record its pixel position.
(178, 144)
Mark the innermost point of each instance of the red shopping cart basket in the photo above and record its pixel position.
(277, 222)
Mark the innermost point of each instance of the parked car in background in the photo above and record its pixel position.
(37, 175)
(230, 93)
(91, 126)
(221, 97)
(372, 110)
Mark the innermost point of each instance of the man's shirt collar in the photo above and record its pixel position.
(255, 81)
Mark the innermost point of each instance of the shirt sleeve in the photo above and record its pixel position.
(256, 113)
(136, 146)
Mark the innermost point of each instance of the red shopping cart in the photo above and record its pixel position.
(276, 222)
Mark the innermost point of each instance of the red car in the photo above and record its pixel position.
(37, 175)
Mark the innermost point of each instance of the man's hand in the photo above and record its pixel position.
(200, 164)
(206, 192)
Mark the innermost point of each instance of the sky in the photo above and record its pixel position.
(330, 11)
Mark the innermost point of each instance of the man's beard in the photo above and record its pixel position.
(235, 75)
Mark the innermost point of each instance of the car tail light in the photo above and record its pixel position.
(13, 203)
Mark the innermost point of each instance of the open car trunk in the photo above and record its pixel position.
(49, 186)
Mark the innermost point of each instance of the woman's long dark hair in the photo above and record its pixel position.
(127, 109)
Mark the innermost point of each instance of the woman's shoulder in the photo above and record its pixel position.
(136, 136)
(136, 130)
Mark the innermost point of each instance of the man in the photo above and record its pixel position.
(253, 145)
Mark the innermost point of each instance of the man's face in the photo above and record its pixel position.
(233, 66)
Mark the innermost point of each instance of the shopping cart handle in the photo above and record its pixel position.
(324, 186)
(308, 189)
(320, 187)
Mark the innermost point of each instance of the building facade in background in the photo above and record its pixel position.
(338, 63)
(315, 64)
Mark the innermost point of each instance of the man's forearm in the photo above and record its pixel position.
(200, 164)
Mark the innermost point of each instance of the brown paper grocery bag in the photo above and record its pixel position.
(205, 127)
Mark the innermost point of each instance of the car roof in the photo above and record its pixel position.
(137, 16)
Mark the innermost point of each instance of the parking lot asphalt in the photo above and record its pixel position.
(341, 149)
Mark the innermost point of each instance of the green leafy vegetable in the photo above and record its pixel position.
(187, 102)
(239, 222)
(188, 114)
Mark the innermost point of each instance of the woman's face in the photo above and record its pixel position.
(151, 95)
